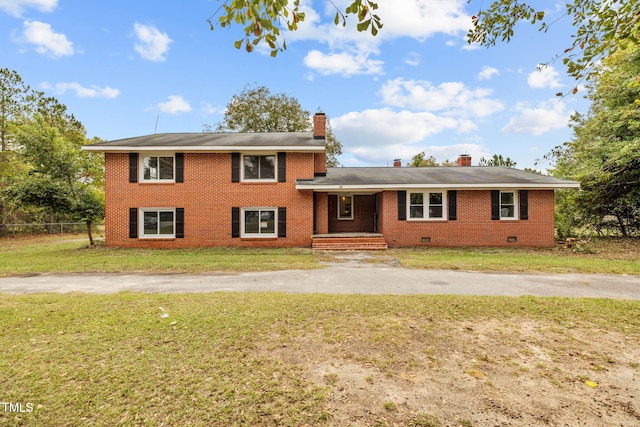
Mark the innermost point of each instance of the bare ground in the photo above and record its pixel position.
(516, 373)
(432, 372)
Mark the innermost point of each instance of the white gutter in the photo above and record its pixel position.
(201, 149)
(382, 187)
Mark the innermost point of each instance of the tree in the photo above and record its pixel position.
(603, 154)
(421, 160)
(14, 99)
(599, 26)
(497, 160)
(63, 179)
(255, 109)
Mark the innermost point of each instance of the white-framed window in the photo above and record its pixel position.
(157, 167)
(427, 204)
(508, 205)
(345, 206)
(259, 222)
(157, 222)
(259, 167)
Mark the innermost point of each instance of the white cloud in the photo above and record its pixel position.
(46, 41)
(17, 7)
(417, 19)
(453, 98)
(375, 128)
(412, 59)
(152, 44)
(543, 118)
(545, 77)
(208, 109)
(83, 92)
(343, 63)
(378, 136)
(487, 73)
(421, 19)
(176, 104)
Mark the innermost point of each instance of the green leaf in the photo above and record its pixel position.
(238, 43)
(336, 20)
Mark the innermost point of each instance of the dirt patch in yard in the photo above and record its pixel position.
(489, 373)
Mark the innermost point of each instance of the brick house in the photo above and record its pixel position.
(274, 190)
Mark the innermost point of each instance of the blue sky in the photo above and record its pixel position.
(125, 67)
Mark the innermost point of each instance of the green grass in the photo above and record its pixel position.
(516, 260)
(55, 256)
(59, 254)
(221, 359)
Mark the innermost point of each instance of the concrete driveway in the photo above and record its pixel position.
(350, 277)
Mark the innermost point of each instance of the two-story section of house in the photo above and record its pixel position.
(274, 190)
(211, 189)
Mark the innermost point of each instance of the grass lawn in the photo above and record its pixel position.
(227, 359)
(606, 256)
(265, 359)
(70, 254)
(60, 254)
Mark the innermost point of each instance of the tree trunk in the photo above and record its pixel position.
(89, 234)
(50, 226)
(623, 227)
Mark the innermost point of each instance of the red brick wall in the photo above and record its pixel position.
(474, 226)
(207, 196)
(320, 162)
(322, 213)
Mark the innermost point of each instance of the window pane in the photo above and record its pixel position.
(416, 198)
(507, 211)
(435, 211)
(267, 167)
(416, 212)
(435, 198)
(251, 169)
(150, 220)
(506, 198)
(344, 207)
(251, 222)
(150, 168)
(166, 167)
(166, 223)
(267, 222)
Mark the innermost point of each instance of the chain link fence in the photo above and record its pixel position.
(43, 228)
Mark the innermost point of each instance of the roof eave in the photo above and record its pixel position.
(382, 187)
(204, 149)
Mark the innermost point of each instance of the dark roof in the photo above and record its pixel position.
(204, 141)
(406, 177)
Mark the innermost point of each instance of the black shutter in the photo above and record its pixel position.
(495, 204)
(524, 204)
(235, 222)
(235, 167)
(133, 223)
(179, 167)
(282, 167)
(282, 222)
(179, 223)
(452, 197)
(133, 167)
(402, 205)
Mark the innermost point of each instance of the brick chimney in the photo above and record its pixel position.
(464, 160)
(397, 163)
(319, 126)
